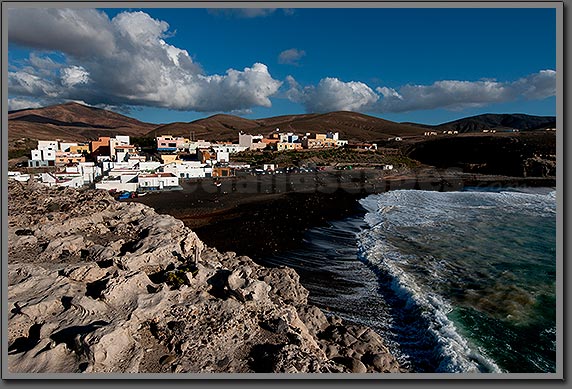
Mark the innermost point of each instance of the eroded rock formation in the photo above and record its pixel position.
(96, 285)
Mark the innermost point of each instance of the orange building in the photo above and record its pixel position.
(63, 158)
(223, 172)
(100, 146)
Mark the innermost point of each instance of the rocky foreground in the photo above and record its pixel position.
(99, 286)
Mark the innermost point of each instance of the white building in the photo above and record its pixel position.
(288, 137)
(18, 176)
(89, 171)
(116, 184)
(45, 154)
(252, 142)
(119, 140)
(149, 166)
(65, 146)
(124, 152)
(158, 181)
(333, 135)
(199, 144)
(71, 180)
(48, 145)
(223, 156)
(229, 148)
(188, 169)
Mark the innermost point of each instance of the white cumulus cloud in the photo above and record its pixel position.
(331, 94)
(124, 61)
(291, 56)
(458, 95)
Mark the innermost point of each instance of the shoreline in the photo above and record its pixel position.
(259, 216)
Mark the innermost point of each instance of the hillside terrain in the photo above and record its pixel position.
(77, 122)
(523, 154)
(351, 126)
(499, 122)
(71, 122)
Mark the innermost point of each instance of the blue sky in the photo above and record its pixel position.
(164, 65)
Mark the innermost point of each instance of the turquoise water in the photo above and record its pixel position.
(480, 267)
(454, 281)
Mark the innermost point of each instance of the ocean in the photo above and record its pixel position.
(454, 281)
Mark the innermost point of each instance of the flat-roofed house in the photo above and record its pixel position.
(158, 181)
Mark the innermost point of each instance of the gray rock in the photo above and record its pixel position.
(104, 307)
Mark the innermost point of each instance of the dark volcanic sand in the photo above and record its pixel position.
(260, 215)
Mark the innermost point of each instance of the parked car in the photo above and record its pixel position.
(124, 196)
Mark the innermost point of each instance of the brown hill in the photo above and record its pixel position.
(500, 122)
(71, 122)
(216, 127)
(351, 125)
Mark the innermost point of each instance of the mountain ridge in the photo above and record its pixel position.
(77, 122)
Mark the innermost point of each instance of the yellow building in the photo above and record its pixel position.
(79, 149)
(281, 146)
(170, 158)
(320, 142)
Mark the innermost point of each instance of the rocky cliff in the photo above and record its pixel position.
(99, 286)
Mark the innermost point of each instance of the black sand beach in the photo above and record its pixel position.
(265, 214)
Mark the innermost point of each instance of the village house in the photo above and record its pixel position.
(171, 143)
(123, 153)
(188, 169)
(64, 158)
(223, 171)
(44, 154)
(149, 166)
(251, 142)
(289, 141)
(100, 146)
(117, 183)
(269, 167)
(18, 176)
(170, 158)
(117, 141)
(87, 170)
(327, 140)
(231, 148)
(82, 148)
(223, 157)
(193, 146)
(158, 181)
(70, 180)
(120, 178)
(281, 146)
(65, 146)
